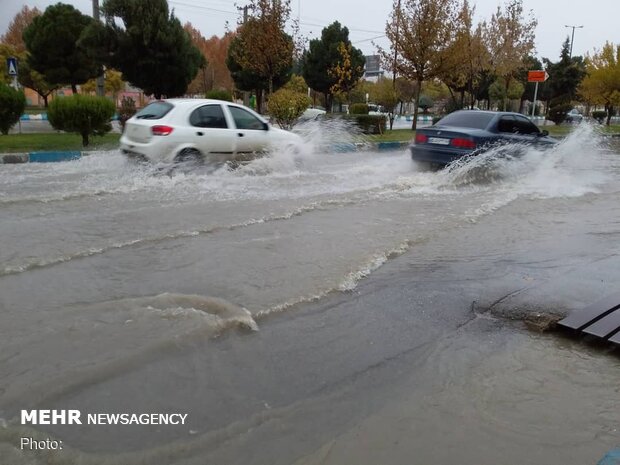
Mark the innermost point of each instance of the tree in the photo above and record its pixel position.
(286, 106)
(405, 90)
(602, 84)
(510, 40)
(332, 63)
(425, 103)
(126, 110)
(12, 105)
(565, 75)
(114, 84)
(199, 84)
(420, 32)
(385, 95)
(345, 71)
(499, 93)
(52, 43)
(84, 114)
(467, 58)
(13, 37)
(263, 47)
(34, 80)
(247, 80)
(147, 43)
(13, 45)
(297, 84)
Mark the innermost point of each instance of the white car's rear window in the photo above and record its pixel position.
(154, 110)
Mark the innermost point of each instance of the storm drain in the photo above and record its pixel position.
(601, 319)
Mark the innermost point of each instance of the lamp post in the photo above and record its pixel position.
(572, 39)
(101, 78)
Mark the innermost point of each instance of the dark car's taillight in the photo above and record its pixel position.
(421, 138)
(161, 130)
(462, 143)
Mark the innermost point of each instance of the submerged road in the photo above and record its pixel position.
(383, 310)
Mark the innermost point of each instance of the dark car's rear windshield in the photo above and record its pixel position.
(467, 119)
(155, 110)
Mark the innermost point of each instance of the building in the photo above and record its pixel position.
(372, 68)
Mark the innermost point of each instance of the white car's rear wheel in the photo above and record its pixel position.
(189, 156)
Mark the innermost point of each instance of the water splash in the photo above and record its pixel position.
(573, 167)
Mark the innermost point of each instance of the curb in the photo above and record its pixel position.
(347, 147)
(60, 156)
(40, 157)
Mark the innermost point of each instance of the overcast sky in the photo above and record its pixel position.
(366, 19)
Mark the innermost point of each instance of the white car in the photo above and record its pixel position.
(211, 130)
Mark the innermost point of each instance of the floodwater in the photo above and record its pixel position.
(338, 308)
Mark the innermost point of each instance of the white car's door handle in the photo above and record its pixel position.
(200, 133)
(240, 134)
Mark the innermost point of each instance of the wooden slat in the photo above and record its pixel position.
(605, 326)
(580, 319)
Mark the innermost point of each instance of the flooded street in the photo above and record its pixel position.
(330, 309)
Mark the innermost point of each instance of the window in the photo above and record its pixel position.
(506, 124)
(155, 110)
(245, 120)
(525, 126)
(208, 116)
(467, 119)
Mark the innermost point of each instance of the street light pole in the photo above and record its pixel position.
(572, 39)
(100, 79)
(396, 45)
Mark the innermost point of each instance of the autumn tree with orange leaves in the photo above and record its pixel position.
(13, 35)
(215, 75)
(264, 48)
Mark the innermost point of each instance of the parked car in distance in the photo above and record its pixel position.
(200, 129)
(311, 114)
(574, 116)
(467, 132)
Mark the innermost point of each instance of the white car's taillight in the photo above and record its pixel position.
(161, 130)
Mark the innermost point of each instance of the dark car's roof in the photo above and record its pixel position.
(472, 119)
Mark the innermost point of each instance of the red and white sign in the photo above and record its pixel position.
(537, 76)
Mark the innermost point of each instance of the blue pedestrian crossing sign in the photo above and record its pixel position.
(11, 66)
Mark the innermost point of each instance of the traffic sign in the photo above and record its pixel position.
(11, 65)
(537, 76)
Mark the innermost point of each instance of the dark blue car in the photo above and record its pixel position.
(468, 132)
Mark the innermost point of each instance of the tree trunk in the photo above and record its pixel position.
(418, 91)
(45, 100)
(85, 140)
(259, 100)
(74, 88)
(328, 108)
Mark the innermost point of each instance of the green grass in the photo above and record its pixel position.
(396, 135)
(564, 129)
(35, 110)
(405, 135)
(20, 143)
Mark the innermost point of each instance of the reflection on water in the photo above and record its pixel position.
(123, 286)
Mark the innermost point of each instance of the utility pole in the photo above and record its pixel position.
(100, 79)
(396, 45)
(246, 94)
(572, 39)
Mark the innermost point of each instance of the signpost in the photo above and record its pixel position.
(11, 68)
(536, 76)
